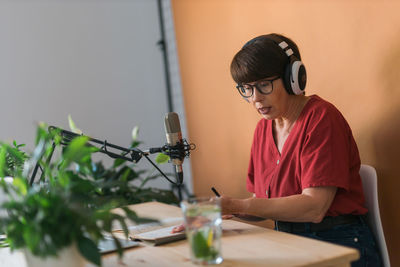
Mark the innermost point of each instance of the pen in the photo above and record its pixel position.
(215, 192)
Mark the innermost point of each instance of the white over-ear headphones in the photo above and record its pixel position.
(295, 76)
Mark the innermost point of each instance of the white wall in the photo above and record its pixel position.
(96, 60)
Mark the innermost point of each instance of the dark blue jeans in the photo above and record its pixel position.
(356, 235)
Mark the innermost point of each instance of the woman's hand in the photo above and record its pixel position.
(178, 229)
(228, 209)
(181, 227)
(226, 206)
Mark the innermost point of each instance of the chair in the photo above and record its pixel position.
(370, 186)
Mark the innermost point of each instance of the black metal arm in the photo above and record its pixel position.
(181, 150)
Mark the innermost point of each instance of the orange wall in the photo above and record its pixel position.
(352, 53)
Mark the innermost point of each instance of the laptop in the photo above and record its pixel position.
(107, 245)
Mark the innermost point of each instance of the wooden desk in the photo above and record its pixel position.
(242, 245)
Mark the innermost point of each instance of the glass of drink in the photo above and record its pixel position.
(202, 217)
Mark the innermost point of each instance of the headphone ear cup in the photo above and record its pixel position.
(301, 78)
(287, 78)
(295, 77)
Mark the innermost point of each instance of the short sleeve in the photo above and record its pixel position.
(325, 152)
(250, 171)
(250, 176)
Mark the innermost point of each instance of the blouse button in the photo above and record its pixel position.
(277, 162)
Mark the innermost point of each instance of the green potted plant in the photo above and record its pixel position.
(66, 212)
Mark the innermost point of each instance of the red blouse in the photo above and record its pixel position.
(319, 151)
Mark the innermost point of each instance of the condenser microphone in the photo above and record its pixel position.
(174, 138)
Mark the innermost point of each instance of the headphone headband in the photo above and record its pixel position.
(295, 76)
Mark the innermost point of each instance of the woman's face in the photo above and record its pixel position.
(273, 105)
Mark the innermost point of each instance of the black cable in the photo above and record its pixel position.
(152, 163)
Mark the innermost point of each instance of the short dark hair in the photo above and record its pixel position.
(261, 57)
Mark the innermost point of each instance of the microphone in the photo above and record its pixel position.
(174, 139)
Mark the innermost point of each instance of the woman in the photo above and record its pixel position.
(304, 164)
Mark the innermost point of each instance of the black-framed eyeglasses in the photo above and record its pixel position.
(264, 86)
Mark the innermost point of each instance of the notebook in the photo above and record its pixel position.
(155, 233)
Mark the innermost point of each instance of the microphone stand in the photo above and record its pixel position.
(180, 150)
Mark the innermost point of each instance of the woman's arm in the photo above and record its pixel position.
(309, 206)
(250, 218)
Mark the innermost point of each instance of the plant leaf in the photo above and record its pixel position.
(161, 158)
(117, 243)
(89, 250)
(135, 133)
(2, 160)
(123, 224)
(41, 132)
(21, 185)
(76, 151)
(118, 162)
(72, 125)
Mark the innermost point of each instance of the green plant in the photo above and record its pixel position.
(68, 206)
(13, 160)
